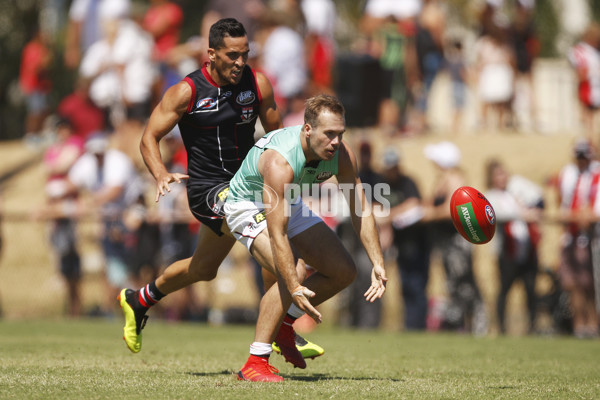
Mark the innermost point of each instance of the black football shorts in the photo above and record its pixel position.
(206, 203)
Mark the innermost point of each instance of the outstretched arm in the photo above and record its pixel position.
(362, 220)
(162, 120)
(277, 173)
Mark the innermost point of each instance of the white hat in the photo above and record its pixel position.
(390, 158)
(527, 3)
(495, 3)
(114, 9)
(445, 154)
(397, 8)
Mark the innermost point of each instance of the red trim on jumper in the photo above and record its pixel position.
(585, 93)
(594, 190)
(256, 86)
(575, 203)
(190, 106)
(207, 75)
(575, 199)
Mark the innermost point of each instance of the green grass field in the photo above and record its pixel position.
(86, 359)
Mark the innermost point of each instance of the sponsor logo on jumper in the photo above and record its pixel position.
(220, 199)
(259, 217)
(469, 222)
(226, 94)
(245, 97)
(207, 103)
(324, 175)
(215, 200)
(490, 215)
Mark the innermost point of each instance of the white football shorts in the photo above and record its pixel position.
(247, 220)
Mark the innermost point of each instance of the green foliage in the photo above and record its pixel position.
(595, 9)
(547, 27)
(16, 21)
(351, 9)
(193, 11)
(464, 12)
(88, 360)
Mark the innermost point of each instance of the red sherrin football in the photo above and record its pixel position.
(472, 215)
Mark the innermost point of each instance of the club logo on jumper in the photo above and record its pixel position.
(208, 103)
(244, 98)
(324, 175)
(247, 114)
(469, 222)
(490, 215)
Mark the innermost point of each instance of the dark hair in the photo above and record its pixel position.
(63, 121)
(490, 167)
(316, 104)
(224, 27)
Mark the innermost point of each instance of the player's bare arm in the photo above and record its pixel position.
(270, 118)
(363, 222)
(277, 173)
(162, 120)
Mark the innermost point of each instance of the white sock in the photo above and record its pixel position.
(295, 312)
(261, 349)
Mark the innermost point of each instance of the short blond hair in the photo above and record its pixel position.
(315, 105)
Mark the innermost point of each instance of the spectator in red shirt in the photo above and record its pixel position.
(33, 79)
(163, 20)
(85, 117)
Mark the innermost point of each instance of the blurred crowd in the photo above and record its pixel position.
(126, 53)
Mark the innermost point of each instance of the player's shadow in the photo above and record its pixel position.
(327, 377)
(303, 378)
(503, 387)
(214, 373)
